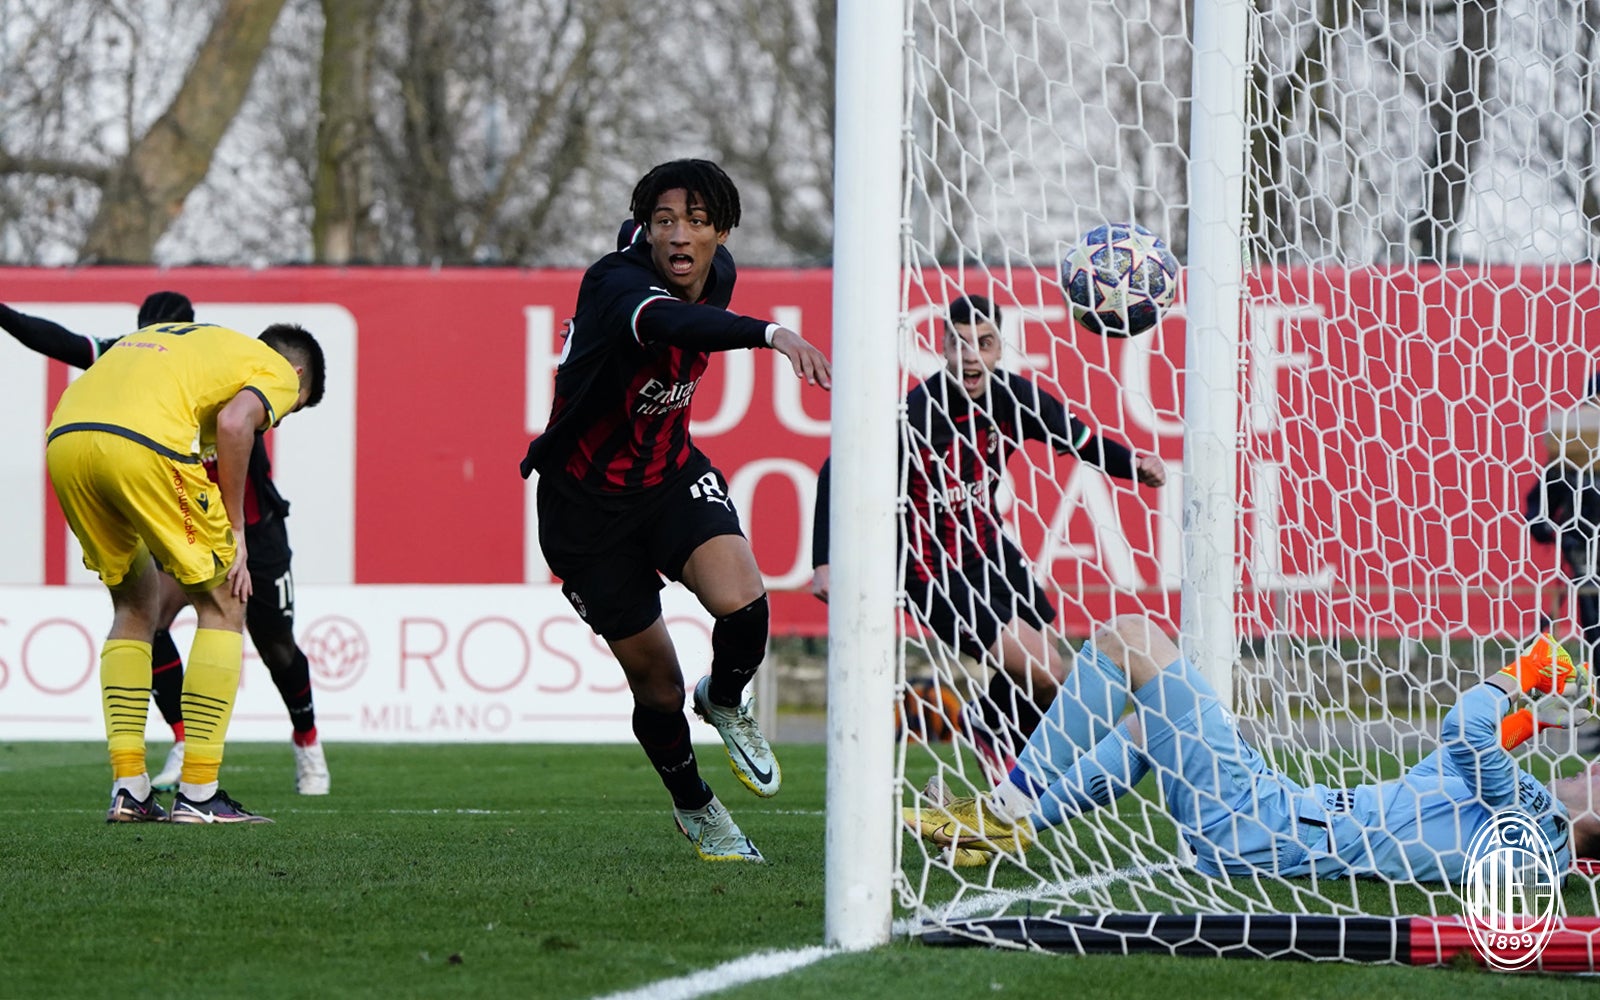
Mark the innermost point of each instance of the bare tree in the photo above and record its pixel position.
(499, 121)
(144, 192)
(343, 230)
(772, 119)
(1456, 112)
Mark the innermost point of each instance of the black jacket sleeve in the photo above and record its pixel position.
(1045, 418)
(47, 338)
(819, 517)
(1113, 456)
(1550, 504)
(696, 327)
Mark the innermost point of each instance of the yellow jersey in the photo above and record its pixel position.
(163, 386)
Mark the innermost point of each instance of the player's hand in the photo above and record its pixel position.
(1150, 470)
(809, 363)
(819, 583)
(1567, 709)
(239, 573)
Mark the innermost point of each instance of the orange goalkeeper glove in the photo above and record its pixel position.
(1543, 667)
(1572, 705)
(1519, 727)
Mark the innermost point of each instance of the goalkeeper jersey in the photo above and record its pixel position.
(1418, 827)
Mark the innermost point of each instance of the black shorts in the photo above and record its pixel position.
(267, 547)
(967, 606)
(610, 552)
(270, 611)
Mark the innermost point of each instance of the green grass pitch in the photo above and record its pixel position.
(490, 871)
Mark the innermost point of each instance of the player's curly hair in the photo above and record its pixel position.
(701, 178)
(298, 345)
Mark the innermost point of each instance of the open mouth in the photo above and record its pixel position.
(680, 264)
(972, 378)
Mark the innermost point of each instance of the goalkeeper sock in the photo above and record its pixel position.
(1091, 700)
(1096, 779)
(125, 698)
(209, 687)
(1010, 801)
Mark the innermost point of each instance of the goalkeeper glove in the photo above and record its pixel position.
(1543, 667)
(1573, 705)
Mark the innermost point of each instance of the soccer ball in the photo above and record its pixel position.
(1118, 279)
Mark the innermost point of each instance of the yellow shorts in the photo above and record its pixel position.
(120, 496)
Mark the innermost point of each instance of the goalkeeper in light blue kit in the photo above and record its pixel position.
(1238, 815)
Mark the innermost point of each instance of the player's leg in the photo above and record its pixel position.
(656, 681)
(615, 589)
(1024, 648)
(186, 528)
(1230, 807)
(961, 615)
(1030, 665)
(1088, 704)
(166, 681)
(269, 615)
(1074, 760)
(695, 537)
(125, 668)
(88, 471)
(210, 687)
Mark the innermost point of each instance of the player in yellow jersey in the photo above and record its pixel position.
(125, 451)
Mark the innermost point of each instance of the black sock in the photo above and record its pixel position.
(1008, 709)
(293, 680)
(738, 645)
(665, 739)
(166, 677)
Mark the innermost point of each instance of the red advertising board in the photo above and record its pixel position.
(1388, 433)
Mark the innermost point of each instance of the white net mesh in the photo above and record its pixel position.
(1421, 198)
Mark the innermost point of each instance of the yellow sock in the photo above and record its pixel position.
(125, 696)
(210, 682)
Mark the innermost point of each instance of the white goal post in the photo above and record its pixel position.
(862, 637)
(1387, 225)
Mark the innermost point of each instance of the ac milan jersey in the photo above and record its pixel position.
(633, 357)
(957, 451)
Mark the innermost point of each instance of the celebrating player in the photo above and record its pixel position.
(624, 496)
(1239, 816)
(966, 582)
(269, 614)
(125, 448)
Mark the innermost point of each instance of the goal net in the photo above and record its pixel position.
(1421, 200)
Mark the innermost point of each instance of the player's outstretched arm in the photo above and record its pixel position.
(50, 339)
(809, 363)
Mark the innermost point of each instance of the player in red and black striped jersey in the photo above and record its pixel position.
(966, 582)
(269, 613)
(625, 497)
